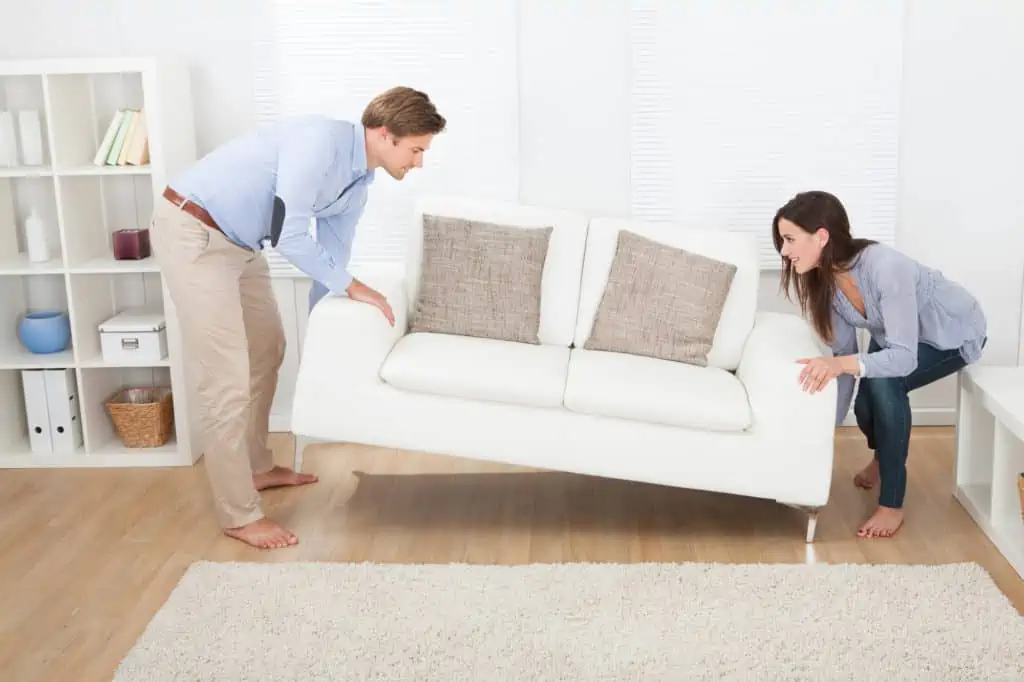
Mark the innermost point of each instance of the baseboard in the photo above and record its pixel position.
(934, 416)
(280, 423)
(922, 416)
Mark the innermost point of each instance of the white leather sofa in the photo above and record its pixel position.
(741, 425)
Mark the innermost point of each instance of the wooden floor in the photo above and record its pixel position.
(88, 556)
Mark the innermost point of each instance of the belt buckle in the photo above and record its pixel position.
(173, 198)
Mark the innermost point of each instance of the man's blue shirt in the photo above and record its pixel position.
(308, 162)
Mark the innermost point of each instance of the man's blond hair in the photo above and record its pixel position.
(404, 112)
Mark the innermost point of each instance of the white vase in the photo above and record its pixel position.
(36, 243)
(31, 129)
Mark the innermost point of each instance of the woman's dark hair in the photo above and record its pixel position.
(815, 288)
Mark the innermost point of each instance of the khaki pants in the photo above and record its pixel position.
(234, 341)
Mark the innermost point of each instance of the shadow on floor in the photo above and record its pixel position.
(554, 500)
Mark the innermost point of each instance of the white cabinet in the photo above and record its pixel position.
(292, 295)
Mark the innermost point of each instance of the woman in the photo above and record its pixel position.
(923, 327)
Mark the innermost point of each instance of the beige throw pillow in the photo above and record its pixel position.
(480, 279)
(660, 302)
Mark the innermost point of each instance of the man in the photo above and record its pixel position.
(208, 233)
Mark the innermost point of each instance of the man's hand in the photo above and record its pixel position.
(358, 291)
(818, 372)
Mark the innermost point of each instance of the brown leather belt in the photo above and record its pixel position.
(192, 208)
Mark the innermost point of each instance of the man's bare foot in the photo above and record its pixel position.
(263, 534)
(868, 476)
(882, 524)
(281, 476)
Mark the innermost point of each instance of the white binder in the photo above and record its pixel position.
(65, 417)
(8, 140)
(37, 411)
(31, 129)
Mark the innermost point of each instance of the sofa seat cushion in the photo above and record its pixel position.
(657, 391)
(478, 369)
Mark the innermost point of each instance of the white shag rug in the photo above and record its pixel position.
(368, 622)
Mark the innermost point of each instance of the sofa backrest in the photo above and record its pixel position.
(737, 248)
(560, 284)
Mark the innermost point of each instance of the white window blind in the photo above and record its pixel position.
(332, 57)
(737, 106)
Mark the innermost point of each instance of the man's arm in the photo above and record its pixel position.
(302, 166)
(335, 234)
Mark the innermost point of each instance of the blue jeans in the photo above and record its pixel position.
(882, 408)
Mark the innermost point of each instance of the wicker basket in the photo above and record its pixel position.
(1020, 493)
(143, 417)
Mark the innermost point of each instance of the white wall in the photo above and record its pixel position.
(962, 159)
(960, 203)
(216, 37)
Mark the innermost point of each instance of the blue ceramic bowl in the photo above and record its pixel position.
(46, 331)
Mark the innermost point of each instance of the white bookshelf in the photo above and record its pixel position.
(990, 454)
(82, 205)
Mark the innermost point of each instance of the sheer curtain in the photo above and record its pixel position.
(737, 106)
(733, 107)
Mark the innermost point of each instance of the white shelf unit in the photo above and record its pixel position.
(82, 205)
(990, 454)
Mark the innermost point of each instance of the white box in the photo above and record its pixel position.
(134, 336)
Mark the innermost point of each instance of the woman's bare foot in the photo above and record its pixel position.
(868, 476)
(281, 476)
(263, 534)
(882, 524)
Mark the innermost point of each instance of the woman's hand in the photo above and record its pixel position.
(818, 372)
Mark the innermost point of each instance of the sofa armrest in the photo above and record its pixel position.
(346, 341)
(770, 373)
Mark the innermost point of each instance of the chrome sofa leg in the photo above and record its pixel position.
(812, 519)
(812, 524)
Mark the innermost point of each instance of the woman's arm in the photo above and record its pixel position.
(841, 366)
(844, 350)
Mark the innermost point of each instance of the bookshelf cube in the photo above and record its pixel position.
(24, 143)
(22, 294)
(96, 297)
(97, 385)
(84, 104)
(103, 205)
(20, 197)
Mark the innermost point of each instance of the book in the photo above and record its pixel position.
(138, 150)
(127, 138)
(108, 138)
(122, 131)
